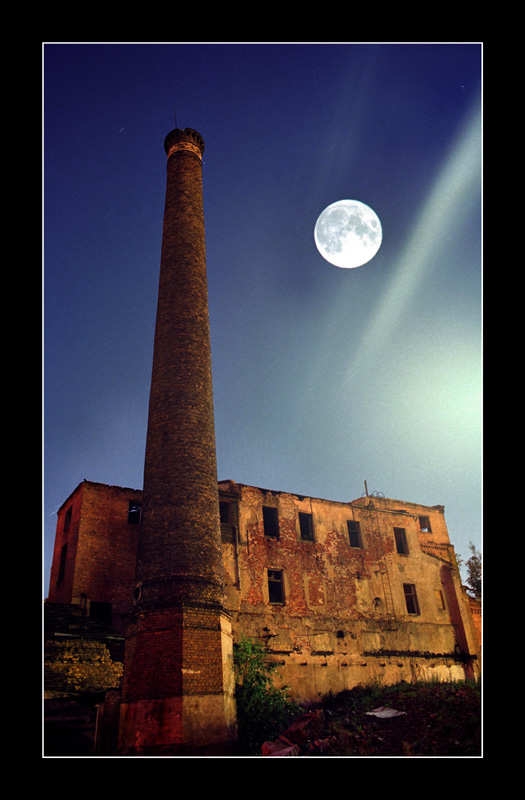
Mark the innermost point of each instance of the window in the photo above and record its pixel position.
(271, 522)
(275, 586)
(440, 599)
(354, 533)
(401, 541)
(103, 612)
(306, 526)
(229, 520)
(133, 512)
(224, 512)
(62, 565)
(67, 519)
(424, 524)
(411, 598)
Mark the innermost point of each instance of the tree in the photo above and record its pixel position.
(474, 571)
(263, 711)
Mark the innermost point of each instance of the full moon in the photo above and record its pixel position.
(348, 233)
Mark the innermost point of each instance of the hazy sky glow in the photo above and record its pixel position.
(323, 377)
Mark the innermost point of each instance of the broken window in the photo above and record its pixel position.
(67, 519)
(271, 522)
(134, 512)
(275, 586)
(306, 526)
(411, 598)
(354, 533)
(401, 541)
(424, 524)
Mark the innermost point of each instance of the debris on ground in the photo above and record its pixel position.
(425, 719)
(385, 713)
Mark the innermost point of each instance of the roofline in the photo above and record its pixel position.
(436, 507)
(354, 503)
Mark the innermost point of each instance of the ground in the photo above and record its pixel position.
(437, 720)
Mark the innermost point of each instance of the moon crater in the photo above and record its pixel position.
(348, 233)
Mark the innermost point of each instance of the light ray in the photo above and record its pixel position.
(459, 179)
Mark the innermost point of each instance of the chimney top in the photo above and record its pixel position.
(186, 139)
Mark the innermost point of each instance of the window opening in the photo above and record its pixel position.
(424, 524)
(224, 511)
(67, 519)
(62, 565)
(401, 541)
(275, 586)
(354, 533)
(134, 512)
(271, 522)
(411, 598)
(306, 526)
(103, 612)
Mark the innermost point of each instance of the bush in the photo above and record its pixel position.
(263, 711)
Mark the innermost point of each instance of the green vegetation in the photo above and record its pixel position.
(473, 569)
(437, 719)
(263, 712)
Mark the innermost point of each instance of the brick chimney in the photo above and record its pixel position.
(178, 685)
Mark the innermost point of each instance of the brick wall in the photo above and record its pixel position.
(100, 564)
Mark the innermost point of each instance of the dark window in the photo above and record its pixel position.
(133, 513)
(411, 598)
(354, 533)
(229, 520)
(275, 586)
(62, 565)
(305, 524)
(271, 522)
(401, 541)
(102, 612)
(224, 511)
(424, 524)
(67, 519)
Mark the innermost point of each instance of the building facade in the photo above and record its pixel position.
(340, 594)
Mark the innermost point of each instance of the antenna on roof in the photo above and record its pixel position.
(366, 489)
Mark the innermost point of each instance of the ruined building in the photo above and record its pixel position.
(341, 593)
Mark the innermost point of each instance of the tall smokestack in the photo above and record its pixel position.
(178, 685)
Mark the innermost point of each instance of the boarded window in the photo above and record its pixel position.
(275, 586)
(306, 526)
(354, 533)
(411, 598)
(134, 512)
(271, 522)
(401, 541)
(424, 524)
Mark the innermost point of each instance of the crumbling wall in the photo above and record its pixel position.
(342, 618)
(77, 666)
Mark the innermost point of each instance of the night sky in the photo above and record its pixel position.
(323, 377)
